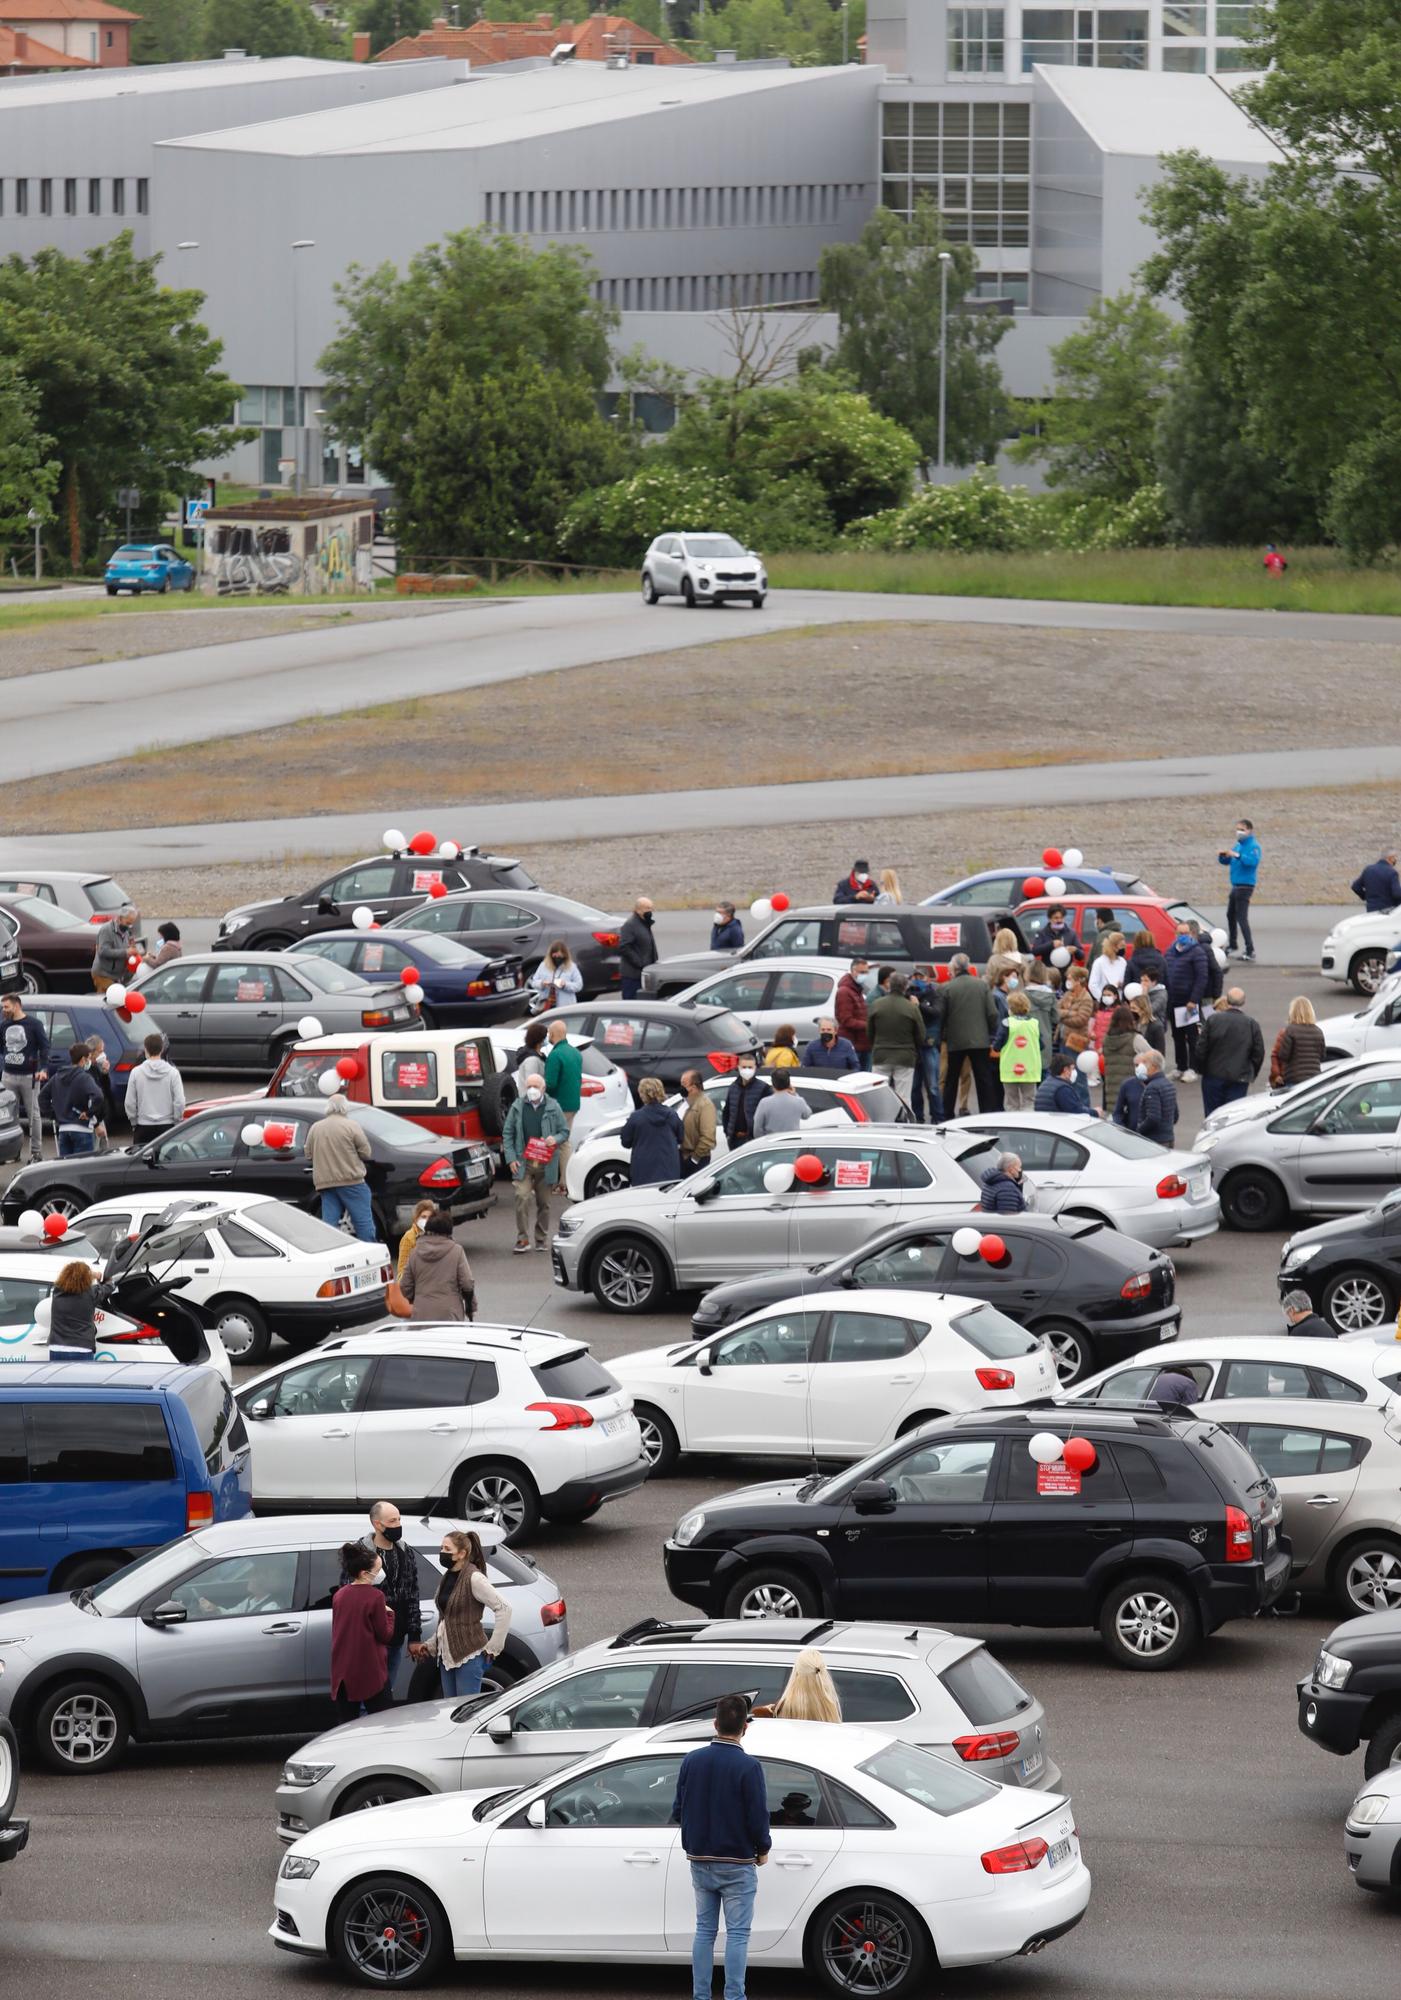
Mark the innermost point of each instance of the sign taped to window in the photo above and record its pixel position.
(373, 960)
(425, 878)
(1057, 1478)
(851, 934)
(619, 1034)
(469, 1059)
(942, 935)
(411, 1075)
(852, 1174)
(252, 989)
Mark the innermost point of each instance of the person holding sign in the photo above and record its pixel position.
(531, 1136)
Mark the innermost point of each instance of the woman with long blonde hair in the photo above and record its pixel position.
(810, 1694)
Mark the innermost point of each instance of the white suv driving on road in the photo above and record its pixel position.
(702, 569)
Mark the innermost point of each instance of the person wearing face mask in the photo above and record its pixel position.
(1129, 1096)
(727, 932)
(532, 1134)
(829, 1049)
(1157, 1108)
(897, 1038)
(782, 1110)
(653, 1136)
(437, 1280)
(398, 1583)
(1057, 933)
(1186, 978)
(556, 980)
(1243, 860)
(637, 948)
(460, 1643)
(362, 1631)
(859, 886)
(742, 1100)
(1018, 1047)
(850, 1003)
(1005, 956)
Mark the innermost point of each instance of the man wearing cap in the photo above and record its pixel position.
(1300, 1317)
(860, 886)
(116, 942)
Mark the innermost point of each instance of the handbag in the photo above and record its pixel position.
(395, 1302)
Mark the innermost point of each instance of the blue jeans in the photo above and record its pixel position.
(395, 1661)
(466, 1679)
(1216, 1092)
(72, 1144)
(928, 1098)
(730, 1885)
(353, 1201)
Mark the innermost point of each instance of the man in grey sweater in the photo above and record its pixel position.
(155, 1094)
(782, 1110)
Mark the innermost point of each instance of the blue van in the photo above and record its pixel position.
(98, 1465)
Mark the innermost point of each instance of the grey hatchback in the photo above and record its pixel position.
(221, 1011)
(226, 1632)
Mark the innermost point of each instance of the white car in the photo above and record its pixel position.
(772, 993)
(1374, 1029)
(27, 1278)
(703, 569)
(501, 1421)
(1090, 1167)
(1226, 1367)
(601, 1164)
(604, 1093)
(835, 1376)
(888, 1864)
(259, 1267)
(1356, 950)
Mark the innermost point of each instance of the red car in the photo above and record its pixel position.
(1136, 913)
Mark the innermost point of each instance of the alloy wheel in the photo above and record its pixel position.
(64, 1204)
(1147, 1624)
(651, 1439)
(1373, 1580)
(867, 1947)
(1357, 1305)
(626, 1277)
(770, 1600)
(495, 1496)
(1067, 1350)
(83, 1729)
(388, 1936)
(608, 1180)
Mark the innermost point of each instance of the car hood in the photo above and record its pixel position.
(54, 1620)
(1243, 1112)
(696, 964)
(1345, 1226)
(350, 1740)
(1375, 1637)
(446, 1817)
(767, 1492)
(251, 909)
(646, 1360)
(627, 1201)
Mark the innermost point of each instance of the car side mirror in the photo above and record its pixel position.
(325, 907)
(499, 1729)
(169, 1613)
(708, 1192)
(535, 1813)
(704, 1365)
(260, 1411)
(873, 1496)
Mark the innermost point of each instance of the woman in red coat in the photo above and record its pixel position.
(362, 1626)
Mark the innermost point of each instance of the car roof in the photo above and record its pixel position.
(1369, 1418)
(1045, 1413)
(745, 968)
(650, 1010)
(231, 958)
(1362, 1357)
(836, 1636)
(54, 875)
(330, 1529)
(1095, 898)
(527, 896)
(814, 1743)
(536, 1343)
(13, 1247)
(899, 1300)
(120, 1378)
(185, 1204)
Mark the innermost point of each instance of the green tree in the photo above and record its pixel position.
(1332, 94)
(1097, 431)
(885, 290)
(28, 474)
(388, 21)
(168, 31)
(265, 28)
(127, 380)
(1217, 487)
(808, 32)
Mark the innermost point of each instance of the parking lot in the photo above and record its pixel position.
(1212, 1828)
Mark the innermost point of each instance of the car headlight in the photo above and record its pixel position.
(1302, 1254)
(688, 1527)
(234, 924)
(1330, 1671)
(305, 1774)
(298, 1868)
(1370, 1808)
(565, 1225)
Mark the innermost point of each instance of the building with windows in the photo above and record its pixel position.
(92, 31)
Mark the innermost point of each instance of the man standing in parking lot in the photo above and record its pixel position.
(970, 1022)
(849, 1000)
(860, 886)
(155, 1095)
(698, 1126)
(1379, 885)
(1157, 1108)
(897, 1037)
(727, 932)
(829, 1049)
(337, 1148)
(531, 1139)
(73, 1100)
(116, 942)
(721, 1805)
(1230, 1053)
(1300, 1317)
(637, 948)
(26, 1055)
(564, 1082)
(1243, 860)
(399, 1585)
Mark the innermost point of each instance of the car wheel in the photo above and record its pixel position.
(387, 1931)
(757, 600)
(87, 1570)
(1366, 973)
(1069, 1348)
(659, 1440)
(165, 585)
(868, 1941)
(496, 1491)
(62, 1201)
(649, 589)
(688, 593)
(498, 1094)
(32, 980)
(243, 1330)
(111, 590)
(1148, 1623)
(1253, 1200)
(378, 1792)
(1384, 1746)
(9, 1773)
(771, 1593)
(1356, 1302)
(629, 1276)
(80, 1728)
(1367, 1575)
(607, 1179)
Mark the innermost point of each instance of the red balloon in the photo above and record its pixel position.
(55, 1227)
(779, 901)
(348, 1068)
(1034, 885)
(135, 1003)
(1052, 856)
(422, 843)
(409, 975)
(808, 1168)
(278, 1136)
(436, 889)
(992, 1249)
(1079, 1454)
(941, 975)
(132, 962)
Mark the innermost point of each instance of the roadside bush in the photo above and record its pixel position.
(613, 524)
(976, 514)
(1141, 522)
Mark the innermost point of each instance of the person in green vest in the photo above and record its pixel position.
(1017, 1046)
(564, 1082)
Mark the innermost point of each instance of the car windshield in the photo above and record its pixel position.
(121, 1592)
(1114, 1139)
(927, 1780)
(328, 977)
(713, 545)
(48, 916)
(444, 950)
(1187, 913)
(290, 1225)
(133, 552)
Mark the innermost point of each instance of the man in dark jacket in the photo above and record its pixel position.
(722, 1808)
(1230, 1053)
(850, 1003)
(399, 1585)
(897, 1037)
(1057, 933)
(742, 1100)
(1056, 1090)
(1379, 885)
(637, 948)
(26, 1055)
(727, 932)
(927, 994)
(970, 1022)
(1185, 977)
(73, 1100)
(1300, 1317)
(860, 886)
(1147, 959)
(828, 1049)
(1003, 1193)
(1157, 1108)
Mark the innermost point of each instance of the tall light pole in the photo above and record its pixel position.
(298, 428)
(945, 259)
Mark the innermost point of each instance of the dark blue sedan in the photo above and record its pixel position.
(460, 987)
(138, 566)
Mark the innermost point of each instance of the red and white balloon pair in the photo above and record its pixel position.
(764, 907)
(1052, 883)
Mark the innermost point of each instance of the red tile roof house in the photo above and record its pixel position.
(22, 55)
(487, 42)
(91, 32)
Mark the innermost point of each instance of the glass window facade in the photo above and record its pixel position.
(972, 160)
(976, 41)
(1088, 37)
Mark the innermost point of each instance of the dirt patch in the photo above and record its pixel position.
(858, 700)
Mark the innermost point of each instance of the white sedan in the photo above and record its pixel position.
(834, 1377)
(257, 1267)
(887, 1865)
(1356, 950)
(1374, 1029)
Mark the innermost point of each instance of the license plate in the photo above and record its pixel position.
(361, 1281)
(613, 1425)
(1031, 1766)
(1058, 1853)
(1198, 1190)
(506, 985)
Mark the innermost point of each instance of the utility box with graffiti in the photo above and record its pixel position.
(297, 545)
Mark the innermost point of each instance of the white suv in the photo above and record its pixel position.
(497, 1421)
(703, 569)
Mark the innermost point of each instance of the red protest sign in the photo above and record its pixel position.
(1057, 1478)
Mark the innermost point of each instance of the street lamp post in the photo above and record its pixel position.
(298, 428)
(945, 259)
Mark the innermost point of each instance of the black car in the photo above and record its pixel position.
(1355, 1691)
(902, 935)
(1350, 1267)
(1093, 1295)
(209, 1154)
(387, 884)
(1171, 1531)
(526, 925)
(655, 1038)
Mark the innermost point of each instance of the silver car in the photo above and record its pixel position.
(927, 1687)
(1372, 1833)
(771, 993)
(1330, 1147)
(226, 1632)
(221, 1010)
(703, 569)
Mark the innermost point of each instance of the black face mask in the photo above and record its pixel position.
(647, 918)
(445, 1561)
(556, 958)
(829, 1039)
(392, 1534)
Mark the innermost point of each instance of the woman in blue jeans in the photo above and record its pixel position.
(461, 1641)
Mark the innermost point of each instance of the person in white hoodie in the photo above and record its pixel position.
(155, 1095)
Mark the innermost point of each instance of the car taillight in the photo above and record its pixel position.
(126, 1063)
(334, 1288)
(199, 1511)
(996, 1378)
(722, 1060)
(980, 1749)
(476, 988)
(553, 1614)
(386, 1272)
(612, 939)
(136, 1333)
(856, 1110)
(97, 918)
(442, 1173)
(1139, 1286)
(1171, 1187)
(376, 1017)
(1017, 1859)
(564, 1416)
(592, 1086)
(1240, 1537)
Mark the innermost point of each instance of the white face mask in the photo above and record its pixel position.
(1012, 984)
(1140, 1070)
(534, 1095)
(721, 917)
(377, 1573)
(746, 1072)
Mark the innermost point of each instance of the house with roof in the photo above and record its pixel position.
(21, 54)
(88, 32)
(601, 38)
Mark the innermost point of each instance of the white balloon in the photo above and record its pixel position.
(362, 916)
(414, 994)
(1045, 1447)
(328, 1083)
(778, 1178)
(1218, 936)
(1073, 858)
(1055, 885)
(1087, 1062)
(1061, 956)
(44, 1312)
(1133, 991)
(1220, 956)
(966, 1241)
(309, 1027)
(115, 996)
(448, 850)
(31, 1224)
(761, 909)
(394, 840)
(252, 1135)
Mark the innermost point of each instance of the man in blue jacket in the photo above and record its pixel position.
(1185, 975)
(1243, 860)
(1379, 885)
(722, 1807)
(73, 1100)
(1056, 1090)
(1157, 1108)
(727, 932)
(828, 1049)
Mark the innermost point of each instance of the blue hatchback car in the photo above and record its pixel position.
(138, 566)
(461, 988)
(1001, 888)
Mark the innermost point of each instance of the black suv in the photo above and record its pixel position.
(901, 934)
(387, 884)
(1093, 1295)
(1355, 1690)
(1173, 1530)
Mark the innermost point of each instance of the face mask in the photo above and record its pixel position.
(867, 982)
(1242, 832)
(1012, 985)
(446, 1558)
(377, 1573)
(392, 1534)
(556, 958)
(828, 1038)
(647, 917)
(720, 917)
(1140, 1070)
(535, 1095)
(746, 1074)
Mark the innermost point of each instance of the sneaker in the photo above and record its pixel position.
(522, 1246)
(1189, 1076)
(1248, 957)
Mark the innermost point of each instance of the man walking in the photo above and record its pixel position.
(26, 1057)
(1243, 860)
(721, 1805)
(564, 1082)
(1379, 885)
(531, 1135)
(73, 1100)
(698, 1126)
(637, 948)
(970, 1022)
(116, 943)
(1230, 1053)
(896, 1027)
(850, 1003)
(155, 1094)
(1157, 1108)
(337, 1148)
(782, 1110)
(399, 1585)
